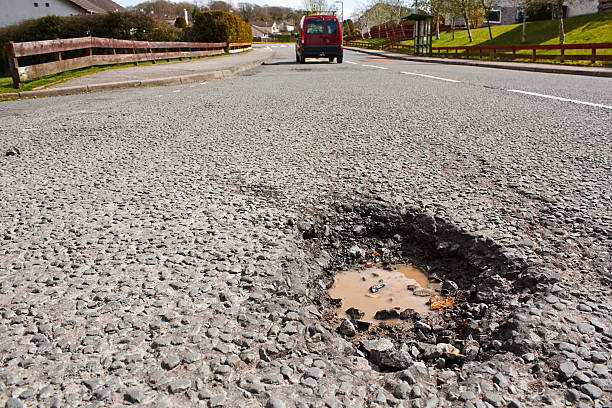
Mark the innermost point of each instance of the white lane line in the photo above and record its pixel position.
(430, 77)
(177, 91)
(373, 66)
(202, 83)
(351, 62)
(597, 105)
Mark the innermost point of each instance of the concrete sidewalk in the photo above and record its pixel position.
(172, 73)
(518, 66)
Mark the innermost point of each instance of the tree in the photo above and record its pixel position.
(437, 7)
(471, 11)
(316, 5)
(220, 6)
(246, 11)
(559, 4)
(348, 27)
(487, 6)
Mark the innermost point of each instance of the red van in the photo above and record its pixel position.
(320, 36)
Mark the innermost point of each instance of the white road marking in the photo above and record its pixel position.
(29, 129)
(597, 105)
(351, 62)
(430, 76)
(373, 66)
(202, 83)
(177, 91)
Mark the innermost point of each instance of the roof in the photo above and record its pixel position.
(262, 23)
(260, 31)
(97, 6)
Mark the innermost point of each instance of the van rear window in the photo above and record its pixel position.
(314, 26)
(332, 26)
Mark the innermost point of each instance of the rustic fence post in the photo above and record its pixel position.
(13, 64)
(57, 56)
(533, 57)
(593, 54)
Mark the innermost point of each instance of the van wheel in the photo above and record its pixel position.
(331, 59)
(339, 59)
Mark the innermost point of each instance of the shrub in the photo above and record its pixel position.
(218, 26)
(180, 22)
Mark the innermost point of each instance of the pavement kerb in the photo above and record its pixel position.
(175, 80)
(565, 69)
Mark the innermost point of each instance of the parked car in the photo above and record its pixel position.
(320, 35)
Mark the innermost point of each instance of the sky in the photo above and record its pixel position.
(349, 5)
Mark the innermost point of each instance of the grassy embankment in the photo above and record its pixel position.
(591, 28)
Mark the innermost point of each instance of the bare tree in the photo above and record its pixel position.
(246, 11)
(437, 7)
(487, 6)
(316, 5)
(471, 11)
(220, 5)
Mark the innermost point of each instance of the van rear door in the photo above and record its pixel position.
(332, 34)
(314, 31)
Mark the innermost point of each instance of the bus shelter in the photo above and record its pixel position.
(422, 32)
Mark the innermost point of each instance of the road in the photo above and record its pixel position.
(171, 246)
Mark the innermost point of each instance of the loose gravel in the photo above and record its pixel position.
(174, 249)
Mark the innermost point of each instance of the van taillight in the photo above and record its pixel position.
(304, 28)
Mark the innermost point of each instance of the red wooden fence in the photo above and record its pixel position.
(502, 52)
(513, 52)
(101, 51)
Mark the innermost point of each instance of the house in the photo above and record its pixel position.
(506, 12)
(265, 27)
(15, 11)
(286, 27)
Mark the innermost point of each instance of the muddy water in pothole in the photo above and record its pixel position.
(400, 291)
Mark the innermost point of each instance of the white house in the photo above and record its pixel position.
(15, 11)
(265, 27)
(286, 27)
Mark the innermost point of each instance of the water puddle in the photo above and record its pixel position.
(375, 289)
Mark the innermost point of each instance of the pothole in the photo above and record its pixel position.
(375, 293)
(486, 281)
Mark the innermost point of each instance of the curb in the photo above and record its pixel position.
(175, 80)
(552, 70)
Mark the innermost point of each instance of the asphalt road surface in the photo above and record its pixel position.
(166, 246)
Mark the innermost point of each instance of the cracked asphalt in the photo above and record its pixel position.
(150, 251)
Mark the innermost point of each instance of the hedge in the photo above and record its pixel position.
(218, 26)
(123, 26)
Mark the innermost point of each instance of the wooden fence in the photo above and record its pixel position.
(502, 52)
(526, 52)
(75, 53)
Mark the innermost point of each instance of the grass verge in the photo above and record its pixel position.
(6, 83)
(590, 28)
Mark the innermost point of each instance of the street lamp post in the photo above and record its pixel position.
(342, 12)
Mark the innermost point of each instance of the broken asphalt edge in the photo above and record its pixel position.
(566, 69)
(167, 81)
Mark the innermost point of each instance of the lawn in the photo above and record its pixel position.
(590, 28)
